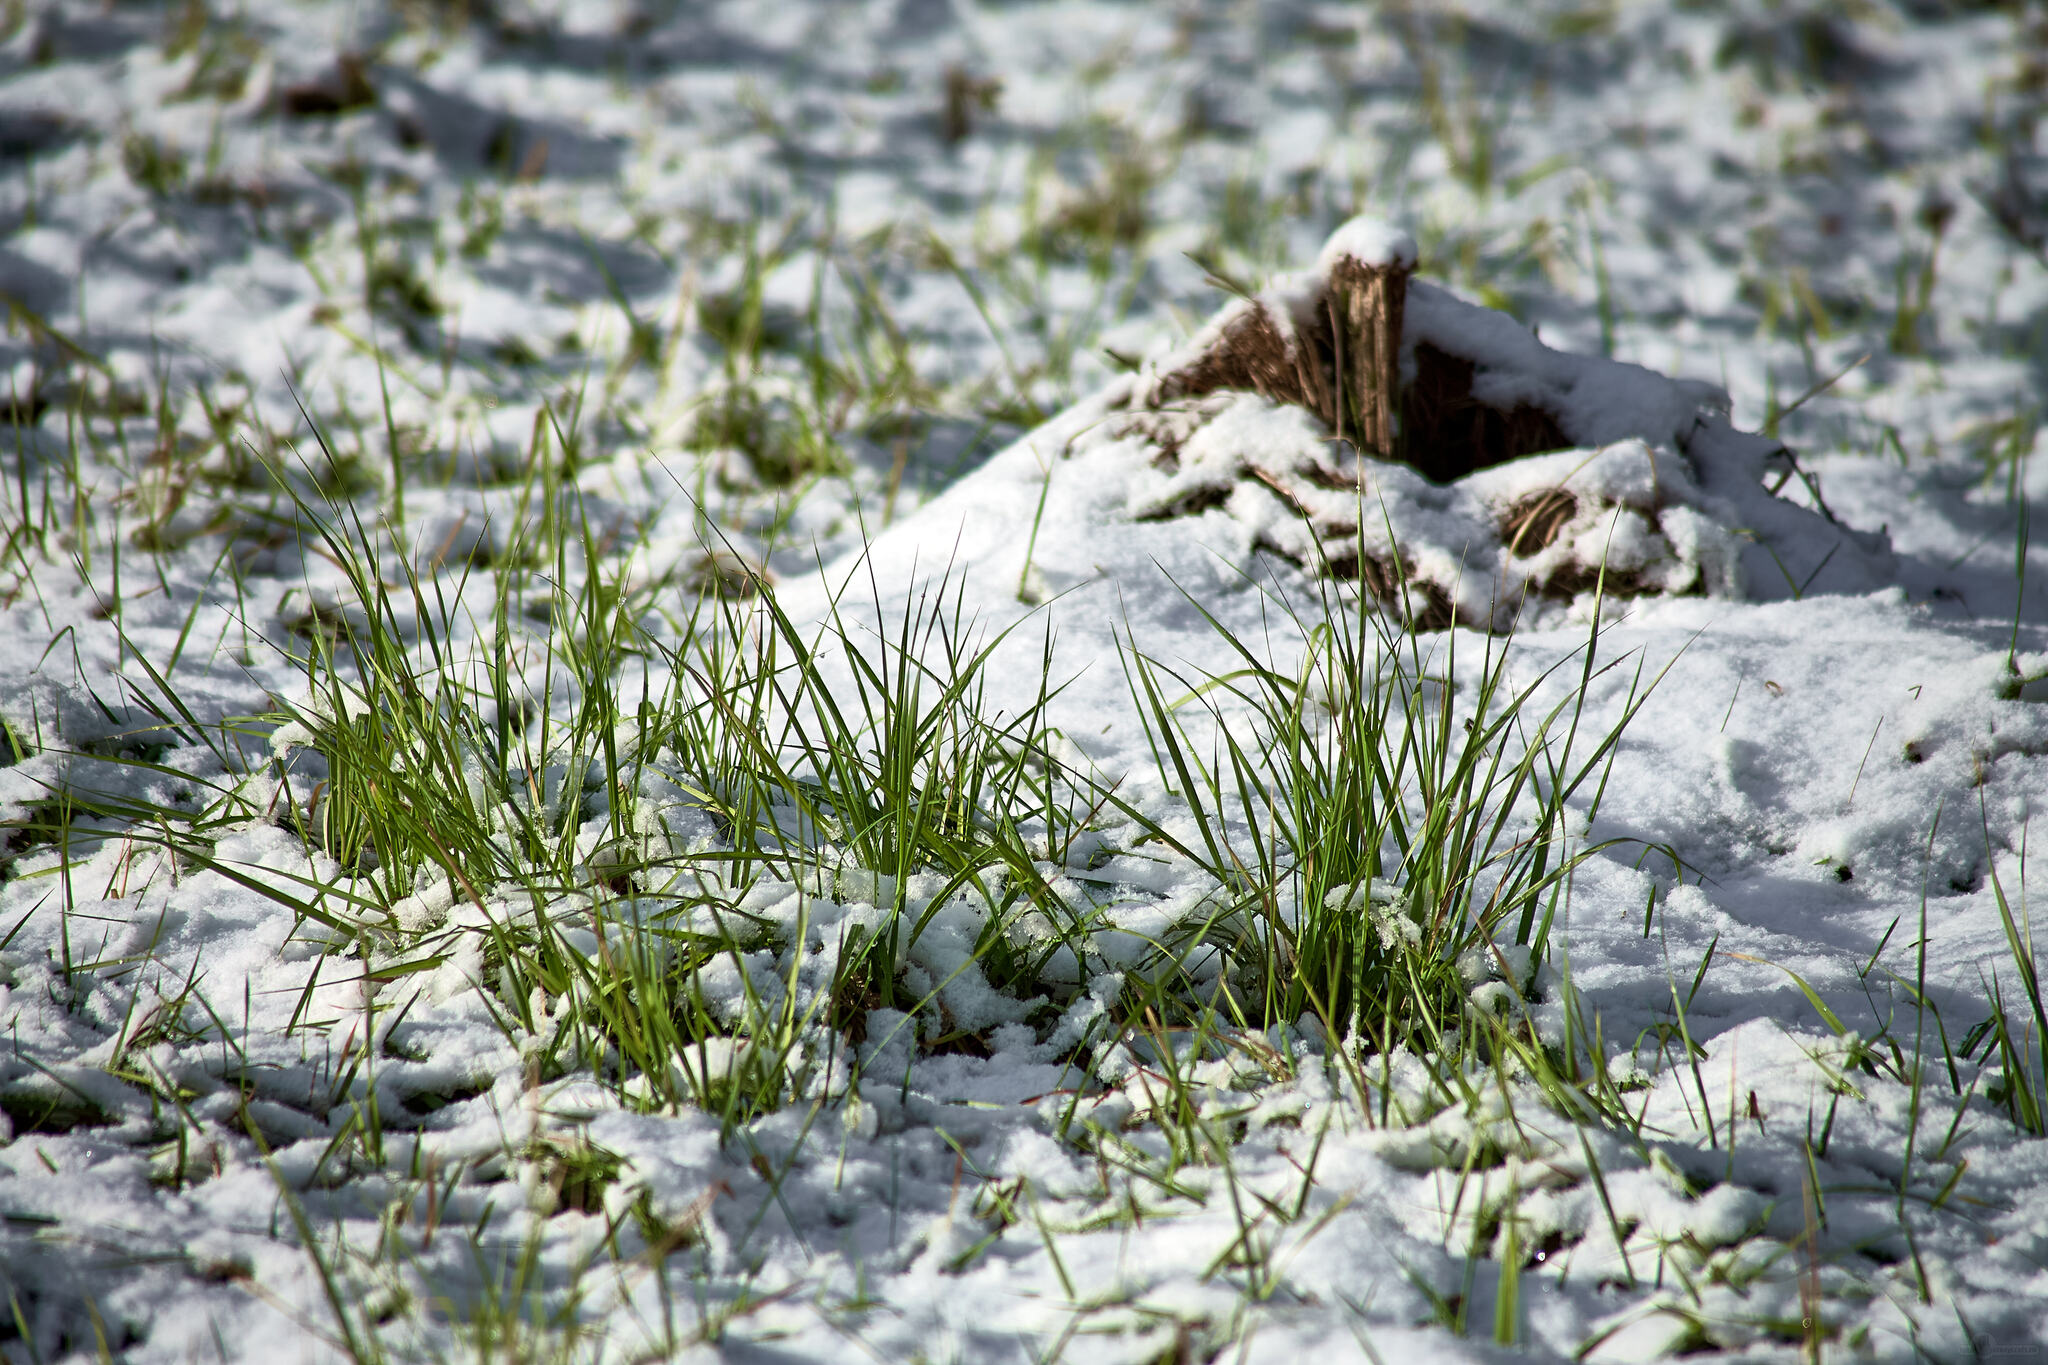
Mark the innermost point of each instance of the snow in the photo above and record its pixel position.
(1695, 214)
(1370, 242)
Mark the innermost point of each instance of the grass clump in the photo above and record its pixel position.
(2017, 1047)
(784, 418)
(430, 769)
(613, 862)
(1390, 837)
(153, 164)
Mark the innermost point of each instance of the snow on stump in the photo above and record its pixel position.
(1372, 426)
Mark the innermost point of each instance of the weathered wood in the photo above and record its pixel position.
(1366, 301)
(1251, 352)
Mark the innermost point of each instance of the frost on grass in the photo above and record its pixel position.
(1384, 429)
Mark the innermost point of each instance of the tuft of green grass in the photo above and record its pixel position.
(427, 768)
(1376, 825)
(2020, 1045)
(153, 164)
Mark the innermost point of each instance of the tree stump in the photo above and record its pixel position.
(1334, 349)
(1366, 266)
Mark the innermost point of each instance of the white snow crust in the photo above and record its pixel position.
(1370, 242)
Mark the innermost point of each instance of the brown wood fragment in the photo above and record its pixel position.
(1535, 520)
(1252, 353)
(1280, 488)
(1190, 504)
(1447, 433)
(1366, 304)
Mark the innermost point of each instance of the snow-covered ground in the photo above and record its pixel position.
(324, 1018)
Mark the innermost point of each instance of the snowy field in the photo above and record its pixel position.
(666, 696)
